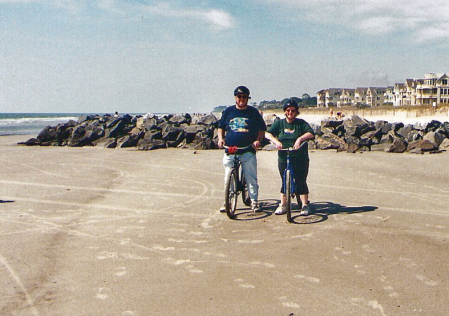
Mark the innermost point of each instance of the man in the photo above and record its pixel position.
(242, 125)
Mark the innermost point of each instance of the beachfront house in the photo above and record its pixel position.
(332, 97)
(432, 90)
(389, 95)
(375, 96)
(360, 96)
(320, 99)
(346, 97)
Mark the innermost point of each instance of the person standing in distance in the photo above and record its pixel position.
(292, 132)
(242, 125)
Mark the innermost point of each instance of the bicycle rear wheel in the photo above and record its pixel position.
(231, 194)
(288, 194)
(245, 195)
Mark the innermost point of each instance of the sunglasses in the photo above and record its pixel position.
(242, 96)
(290, 110)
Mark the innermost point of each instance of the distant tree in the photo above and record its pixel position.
(219, 109)
(298, 100)
(284, 100)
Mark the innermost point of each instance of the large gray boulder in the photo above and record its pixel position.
(357, 126)
(150, 144)
(129, 140)
(78, 137)
(399, 145)
(179, 119)
(424, 145)
(207, 119)
(329, 141)
(444, 144)
(434, 137)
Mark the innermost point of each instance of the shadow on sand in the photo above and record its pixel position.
(320, 211)
(2, 201)
(246, 214)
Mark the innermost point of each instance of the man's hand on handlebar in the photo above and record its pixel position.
(256, 144)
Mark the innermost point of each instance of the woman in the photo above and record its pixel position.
(292, 132)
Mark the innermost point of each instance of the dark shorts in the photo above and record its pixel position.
(300, 172)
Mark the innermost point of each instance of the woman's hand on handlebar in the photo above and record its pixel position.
(297, 144)
(278, 144)
(221, 143)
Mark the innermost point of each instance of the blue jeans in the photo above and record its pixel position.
(249, 167)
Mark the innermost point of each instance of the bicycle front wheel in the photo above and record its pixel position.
(288, 194)
(231, 194)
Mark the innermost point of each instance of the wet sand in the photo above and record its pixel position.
(92, 231)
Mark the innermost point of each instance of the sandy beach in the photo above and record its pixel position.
(94, 231)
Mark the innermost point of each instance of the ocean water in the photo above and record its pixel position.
(31, 123)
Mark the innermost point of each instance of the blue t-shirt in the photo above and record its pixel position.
(241, 126)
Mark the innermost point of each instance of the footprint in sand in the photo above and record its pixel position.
(426, 280)
(102, 293)
(244, 285)
(121, 271)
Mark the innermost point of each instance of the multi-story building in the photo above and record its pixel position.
(375, 96)
(432, 90)
(321, 99)
(389, 95)
(346, 97)
(360, 96)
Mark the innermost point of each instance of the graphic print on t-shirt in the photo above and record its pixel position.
(239, 124)
(288, 131)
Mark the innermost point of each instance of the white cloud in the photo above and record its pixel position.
(217, 18)
(428, 18)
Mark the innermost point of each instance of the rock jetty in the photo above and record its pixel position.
(146, 132)
(199, 131)
(357, 134)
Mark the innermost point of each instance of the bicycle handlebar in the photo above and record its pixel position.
(235, 149)
(247, 147)
(292, 149)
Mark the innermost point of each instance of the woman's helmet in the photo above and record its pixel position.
(290, 103)
(241, 90)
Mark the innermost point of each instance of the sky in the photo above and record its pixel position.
(177, 56)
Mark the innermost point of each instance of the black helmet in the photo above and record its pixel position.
(241, 90)
(290, 103)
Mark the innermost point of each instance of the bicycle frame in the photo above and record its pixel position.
(289, 167)
(235, 183)
(288, 181)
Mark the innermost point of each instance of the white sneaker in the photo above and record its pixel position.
(282, 209)
(223, 209)
(255, 206)
(305, 211)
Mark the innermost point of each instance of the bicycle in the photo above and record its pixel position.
(235, 183)
(289, 183)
